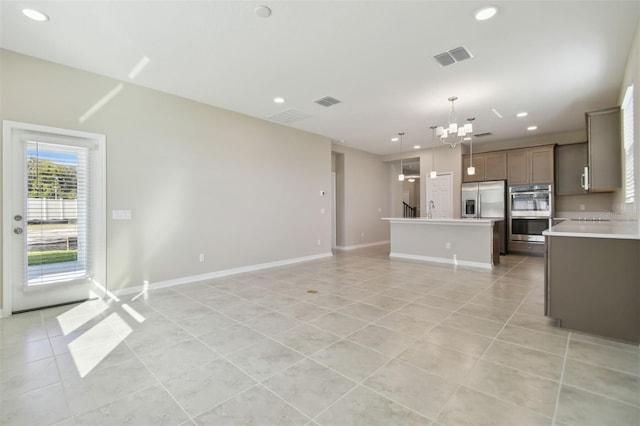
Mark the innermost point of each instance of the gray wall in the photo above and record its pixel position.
(363, 197)
(198, 179)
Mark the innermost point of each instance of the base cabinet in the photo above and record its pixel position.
(526, 247)
(593, 285)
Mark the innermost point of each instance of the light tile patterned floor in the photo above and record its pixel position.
(376, 342)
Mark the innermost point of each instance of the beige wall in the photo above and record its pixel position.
(363, 182)
(197, 179)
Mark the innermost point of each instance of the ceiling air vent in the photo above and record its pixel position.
(480, 135)
(288, 116)
(327, 101)
(452, 56)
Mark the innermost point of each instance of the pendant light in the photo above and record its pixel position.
(471, 170)
(433, 174)
(401, 175)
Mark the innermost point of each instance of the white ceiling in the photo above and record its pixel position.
(554, 59)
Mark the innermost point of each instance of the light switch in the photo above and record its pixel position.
(121, 214)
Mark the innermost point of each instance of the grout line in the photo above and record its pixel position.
(561, 380)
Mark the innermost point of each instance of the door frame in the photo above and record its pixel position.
(8, 170)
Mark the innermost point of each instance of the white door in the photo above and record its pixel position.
(440, 195)
(53, 210)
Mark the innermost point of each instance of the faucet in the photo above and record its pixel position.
(431, 207)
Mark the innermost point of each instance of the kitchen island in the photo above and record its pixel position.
(463, 242)
(592, 277)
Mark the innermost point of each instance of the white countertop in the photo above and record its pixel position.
(619, 229)
(442, 221)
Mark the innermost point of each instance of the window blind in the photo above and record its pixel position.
(57, 207)
(628, 137)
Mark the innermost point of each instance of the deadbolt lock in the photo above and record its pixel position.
(17, 217)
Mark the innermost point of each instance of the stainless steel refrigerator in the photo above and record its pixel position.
(487, 200)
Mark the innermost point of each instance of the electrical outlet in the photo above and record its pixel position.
(319, 242)
(447, 245)
(582, 207)
(362, 235)
(322, 210)
(121, 214)
(201, 257)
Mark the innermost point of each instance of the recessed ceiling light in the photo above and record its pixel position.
(36, 15)
(522, 114)
(485, 13)
(394, 139)
(532, 128)
(417, 147)
(262, 11)
(278, 100)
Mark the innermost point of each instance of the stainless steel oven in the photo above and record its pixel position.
(528, 228)
(530, 200)
(530, 212)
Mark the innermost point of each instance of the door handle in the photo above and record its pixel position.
(18, 231)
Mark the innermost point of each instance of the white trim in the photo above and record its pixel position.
(358, 246)
(455, 262)
(8, 128)
(217, 274)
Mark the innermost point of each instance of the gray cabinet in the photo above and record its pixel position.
(530, 165)
(570, 161)
(604, 149)
(488, 165)
(593, 285)
(495, 165)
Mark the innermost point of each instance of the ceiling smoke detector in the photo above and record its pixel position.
(262, 11)
(453, 56)
(327, 101)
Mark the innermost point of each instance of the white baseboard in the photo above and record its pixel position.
(216, 274)
(358, 246)
(455, 262)
(2, 313)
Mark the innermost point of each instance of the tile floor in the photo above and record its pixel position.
(375, 342)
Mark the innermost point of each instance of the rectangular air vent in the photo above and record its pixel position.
(452, 56)
(327, 101)
(289, 116)
(480, 135)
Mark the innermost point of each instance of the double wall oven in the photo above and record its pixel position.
(530, 212)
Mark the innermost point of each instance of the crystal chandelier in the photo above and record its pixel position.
(453, 134)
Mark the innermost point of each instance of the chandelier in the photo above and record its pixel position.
(453, 134)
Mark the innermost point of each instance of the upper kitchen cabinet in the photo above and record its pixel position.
(489, 166)
(530, 165)
(604, 155)
(570, 162)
